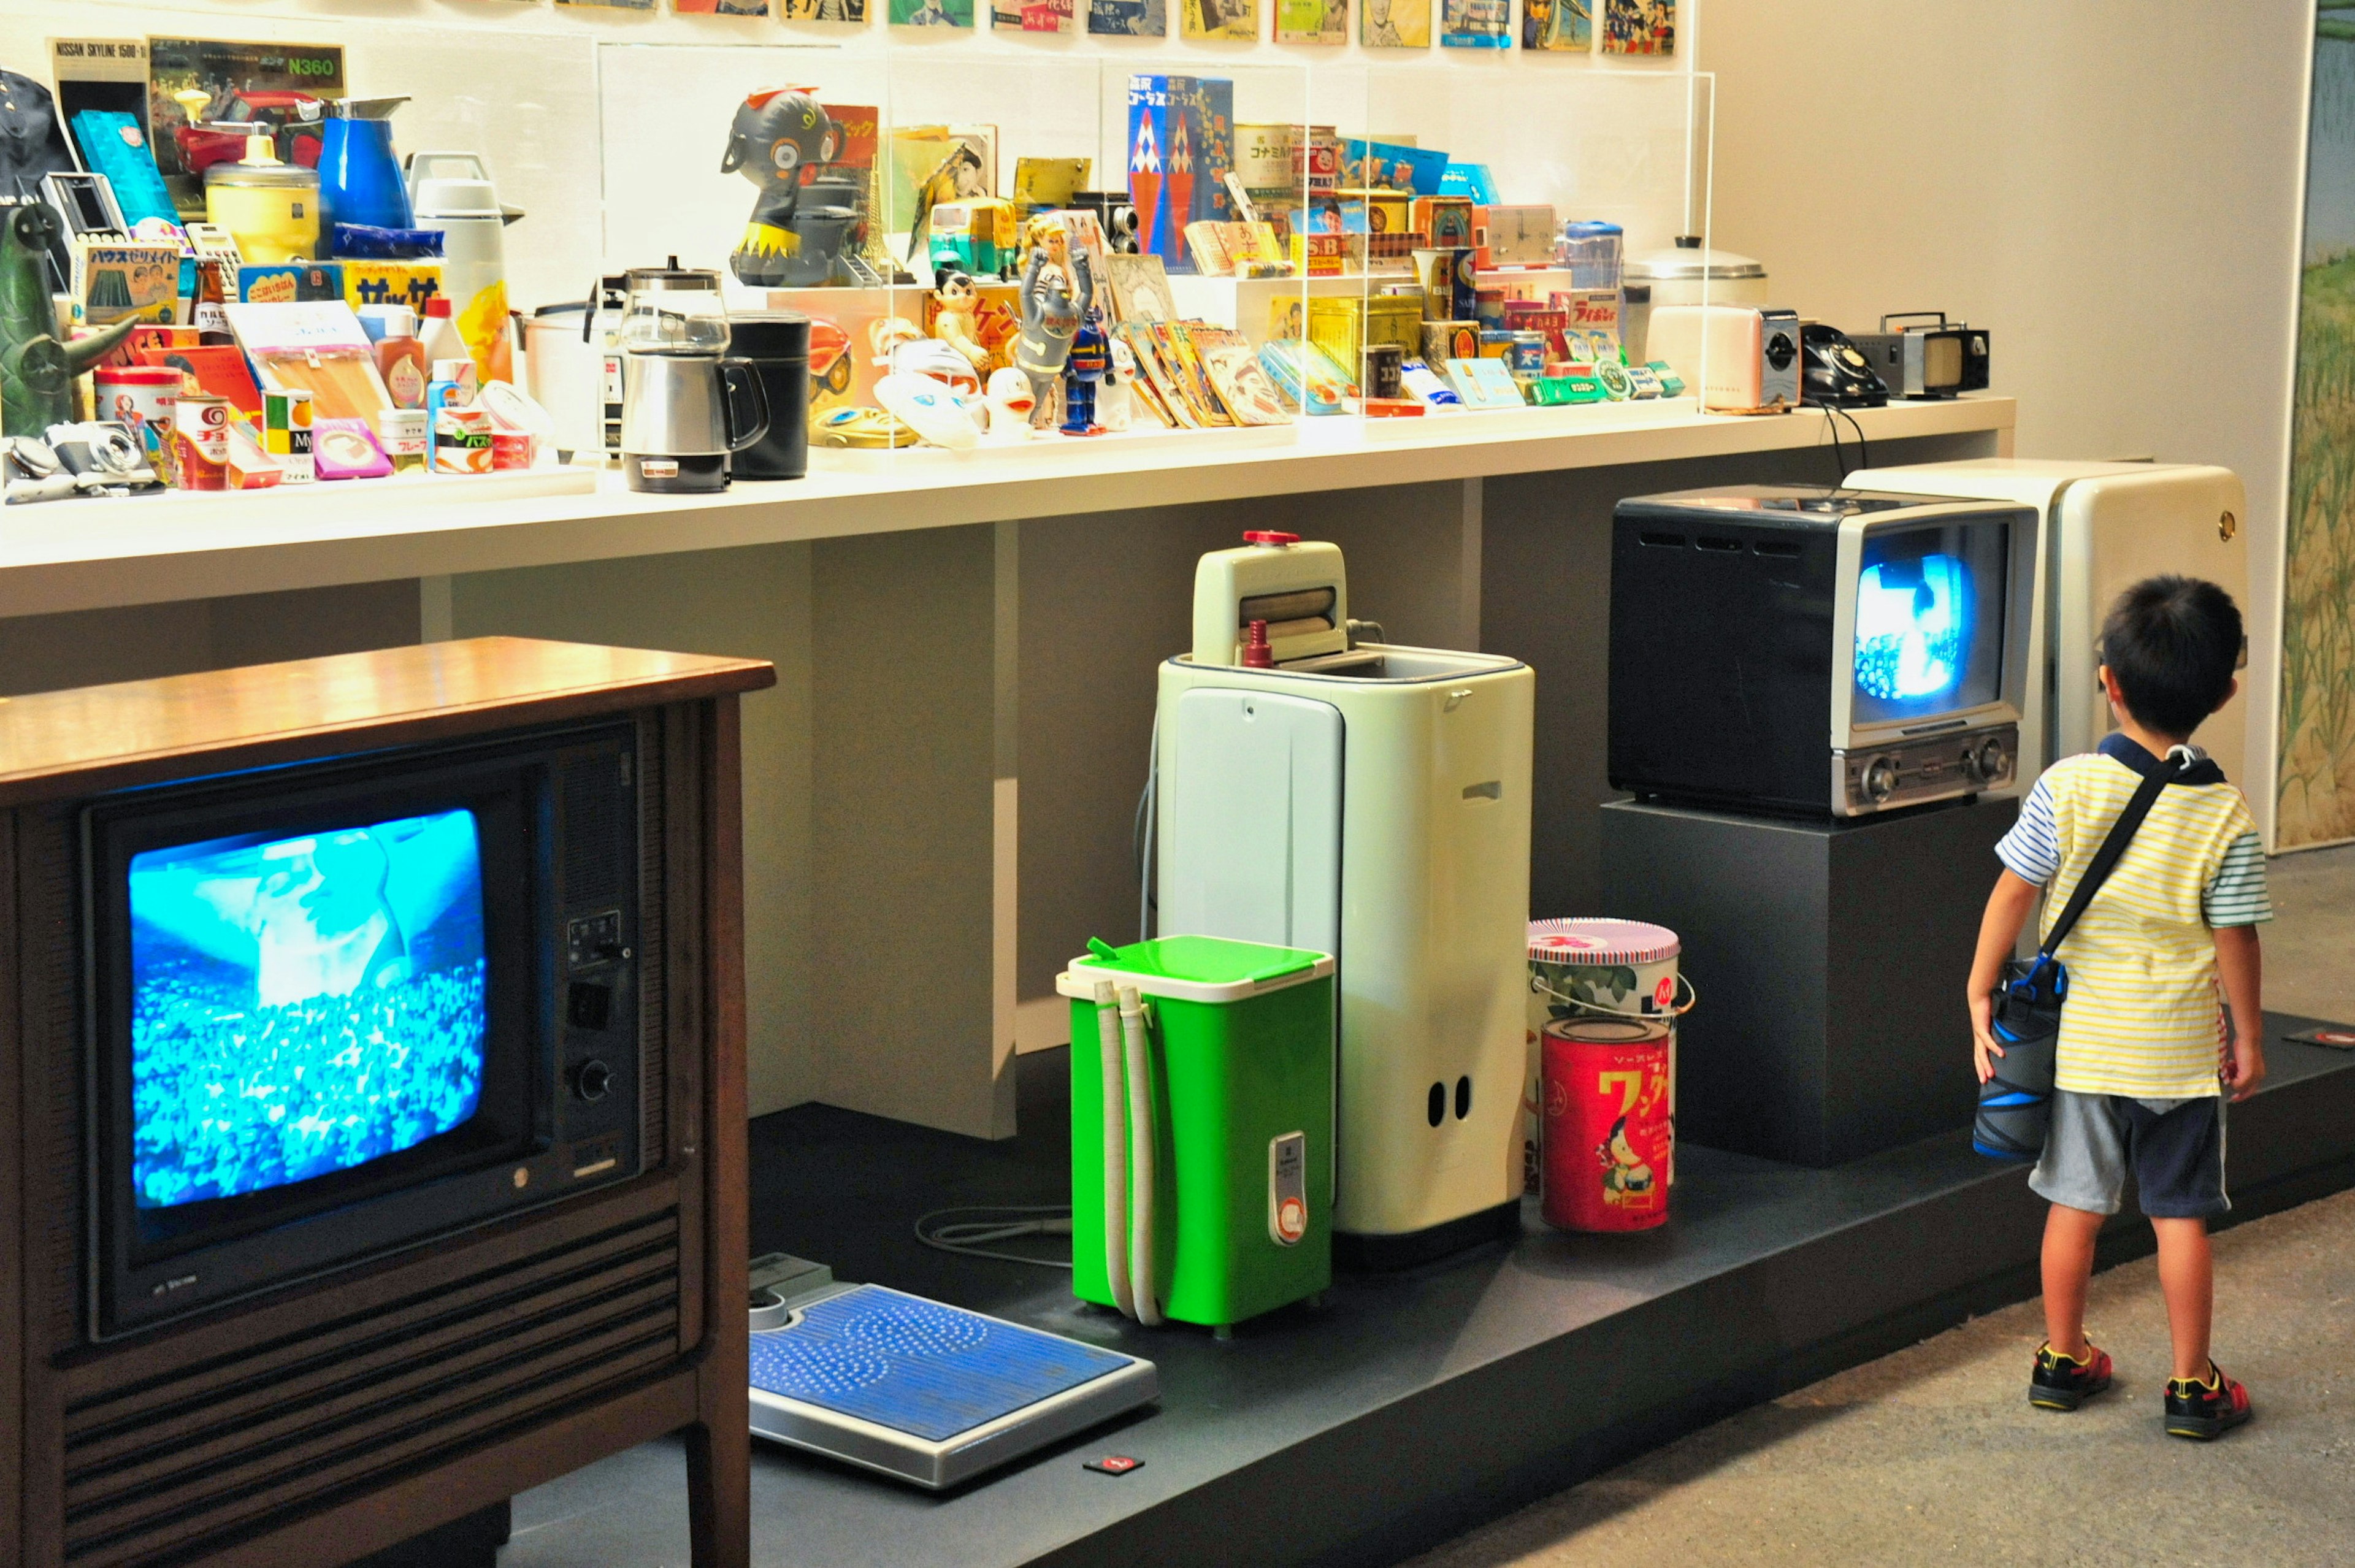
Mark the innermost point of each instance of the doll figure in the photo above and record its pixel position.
(1083, 370)
(887, 333)
(1053, 307)
(777, 132)
(955, 320)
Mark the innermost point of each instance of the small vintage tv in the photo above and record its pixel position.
(342, 1008)
(1812, 652)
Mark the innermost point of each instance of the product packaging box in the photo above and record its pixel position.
(291, 282)
(125, 280)
(1344, 327)
(391, 283)
(1593, 313)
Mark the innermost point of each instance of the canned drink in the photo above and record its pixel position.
(1608, 1134)
(200, 444)
(144, 398)
(286, 432)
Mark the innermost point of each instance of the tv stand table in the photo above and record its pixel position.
(324, 1420)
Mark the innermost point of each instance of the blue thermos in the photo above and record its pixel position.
(359, 177)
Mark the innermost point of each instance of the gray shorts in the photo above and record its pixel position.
(2177, 1156)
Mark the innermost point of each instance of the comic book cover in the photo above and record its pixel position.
(1139, 286)
(1244, 388)
(931, 13)
(1031, 15)
(1476, 24)
(1129, 19)
(1147, 348)
(1312, 21)
(1394, 23)
(1208, 105)
(1175, 341)
(721, 7)
(1564, 24)
(1639, 26)
(1236, 19)
(823, 10)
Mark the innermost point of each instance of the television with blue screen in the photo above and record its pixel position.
(304, 1005)
(357, 1006)
(1817, 652)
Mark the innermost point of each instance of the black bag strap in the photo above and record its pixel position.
(2121, 834)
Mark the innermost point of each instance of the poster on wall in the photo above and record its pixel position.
(1032, 15)
(720, 8)
(1235, 19)
(931, 13)
(1476, 24)
(1129, 19)
(2313, 792)
(1567, 25)
(612, 4)
(196, 83)
(1394, 23)
(1639, 26)
(1312, 21)
(852, 11)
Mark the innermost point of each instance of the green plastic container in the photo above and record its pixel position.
(1239, 1044)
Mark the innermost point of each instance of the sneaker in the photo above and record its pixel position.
(2205, 1409)
(2064, 1382)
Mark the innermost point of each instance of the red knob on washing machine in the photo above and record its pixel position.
(1269, 536)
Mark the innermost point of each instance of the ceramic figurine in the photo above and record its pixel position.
(37, 370)
(1011, 402)
(955, 321)
(777, 132)
(1053, 307)
(1083, 369)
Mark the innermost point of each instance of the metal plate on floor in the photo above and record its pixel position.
(928, 1393)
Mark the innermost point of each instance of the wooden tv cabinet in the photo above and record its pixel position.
(325, 1422)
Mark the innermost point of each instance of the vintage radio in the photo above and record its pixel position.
(1743, 358)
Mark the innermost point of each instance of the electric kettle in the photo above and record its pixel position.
(686, 406)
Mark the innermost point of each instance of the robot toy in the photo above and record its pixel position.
(777, 132)
(1083, 368)
(1054, 307)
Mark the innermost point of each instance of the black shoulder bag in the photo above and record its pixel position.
(2016, 1105)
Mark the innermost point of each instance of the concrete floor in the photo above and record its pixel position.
(1933, 1454)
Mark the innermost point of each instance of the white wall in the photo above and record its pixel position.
(2112, 186)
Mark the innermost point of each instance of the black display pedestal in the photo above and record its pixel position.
(1829, 958)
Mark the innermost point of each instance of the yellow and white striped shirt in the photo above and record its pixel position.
(2143, 1016)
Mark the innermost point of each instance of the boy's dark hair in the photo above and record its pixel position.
(2173, 642)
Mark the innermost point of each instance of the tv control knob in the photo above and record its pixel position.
(1881, 779)
(1988, 760)
(593, 1079)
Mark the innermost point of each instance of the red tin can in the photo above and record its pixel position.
(1608, 1129)
(142, 398)
(200, 444)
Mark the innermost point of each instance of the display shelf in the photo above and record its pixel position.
(87, 554)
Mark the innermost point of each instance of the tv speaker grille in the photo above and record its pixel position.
(170, 1469)
(594, 801)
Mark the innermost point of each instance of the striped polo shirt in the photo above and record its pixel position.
(2143, 1017)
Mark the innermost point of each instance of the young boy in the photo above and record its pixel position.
(2143, 1045)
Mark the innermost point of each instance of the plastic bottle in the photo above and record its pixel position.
(441, 333)
(400, 358)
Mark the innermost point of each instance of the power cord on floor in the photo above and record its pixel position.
(971, 1231)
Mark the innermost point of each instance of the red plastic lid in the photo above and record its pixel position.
(137, 374)
(1269, 536)
(437, 305)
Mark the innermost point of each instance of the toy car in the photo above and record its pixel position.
(830, 358)
(293, 117)
(863, 427)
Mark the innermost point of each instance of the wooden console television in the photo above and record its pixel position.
(486, 895)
